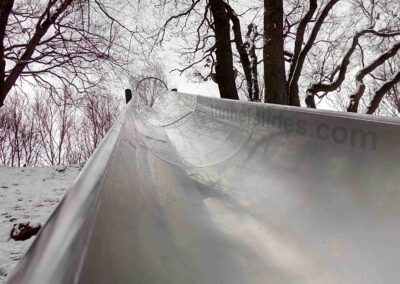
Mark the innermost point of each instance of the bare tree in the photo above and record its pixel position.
(333, 76)
(99, 111)
(54, 129)
(58, 43)
(313, 40)
(54, 120)
(20, 143)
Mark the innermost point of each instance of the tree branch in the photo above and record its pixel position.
(378, 96)
(244, 57)
(356, 97)
(300, 34)
(342, 69)
(41, 30)
(298, 64)
(5, 10)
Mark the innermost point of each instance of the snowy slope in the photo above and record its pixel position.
(28, 195)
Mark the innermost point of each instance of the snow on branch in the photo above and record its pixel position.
(251, 36)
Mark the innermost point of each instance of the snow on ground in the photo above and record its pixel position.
(28, 195)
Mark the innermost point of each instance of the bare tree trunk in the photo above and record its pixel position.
(251, 36)
(241, 48)
(5, 10)
(274, 62)
(224, 66)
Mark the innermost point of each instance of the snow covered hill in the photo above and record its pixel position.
(28, 195)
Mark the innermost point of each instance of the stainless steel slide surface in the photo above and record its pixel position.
(203, 190)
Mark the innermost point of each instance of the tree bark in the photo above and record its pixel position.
(224, 65)
(274, 61)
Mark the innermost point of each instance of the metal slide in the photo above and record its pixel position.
(203, 190)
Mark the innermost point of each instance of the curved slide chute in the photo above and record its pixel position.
(204, 190)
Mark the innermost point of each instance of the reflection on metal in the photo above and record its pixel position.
(202, 190)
